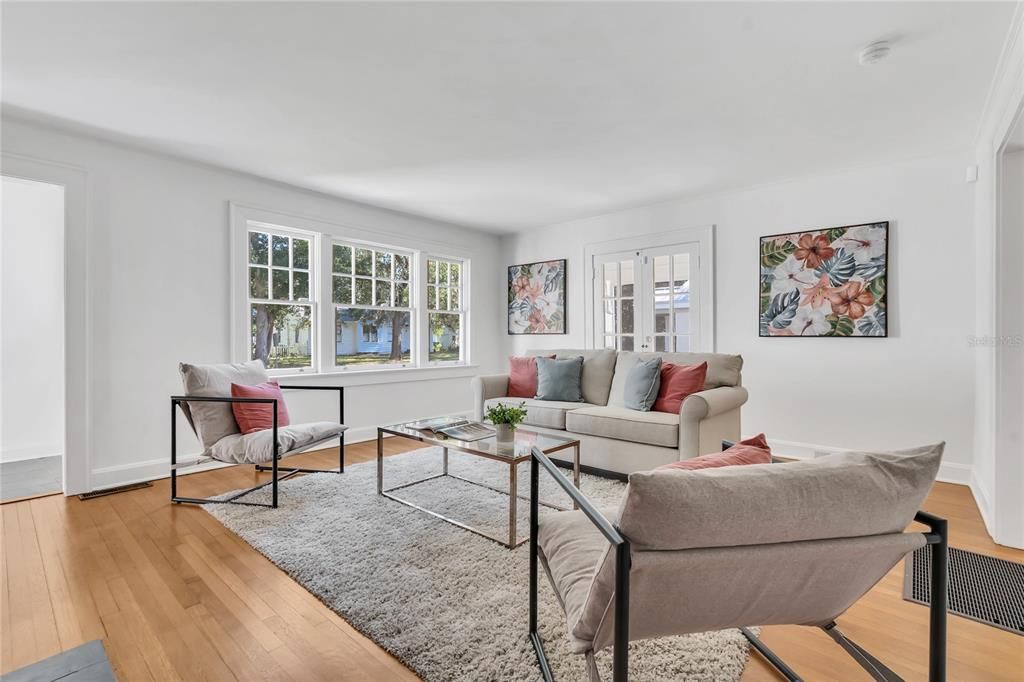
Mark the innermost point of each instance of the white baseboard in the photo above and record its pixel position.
(949, 472)
(20, 454)
(983, 500)
(155, 469)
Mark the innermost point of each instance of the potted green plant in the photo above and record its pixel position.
(505, 419)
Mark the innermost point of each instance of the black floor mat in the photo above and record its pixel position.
(982, 588)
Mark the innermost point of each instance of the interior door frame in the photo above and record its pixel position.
(77, 464)
(703, 236)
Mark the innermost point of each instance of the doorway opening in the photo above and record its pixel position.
(32, 306)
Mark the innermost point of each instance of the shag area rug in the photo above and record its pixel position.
(449, 604)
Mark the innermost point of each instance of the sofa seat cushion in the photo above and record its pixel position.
(652, 428)
(573, 549)
(257, 448)
(549, 414)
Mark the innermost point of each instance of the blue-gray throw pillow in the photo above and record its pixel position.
(559, 379)
(642, 384)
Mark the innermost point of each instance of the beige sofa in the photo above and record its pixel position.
(614, 438)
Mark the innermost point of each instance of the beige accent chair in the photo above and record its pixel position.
(620, 440)
(207, 407)
(733, 547)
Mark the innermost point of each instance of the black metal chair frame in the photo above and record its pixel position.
(274, 468)
(937, 537)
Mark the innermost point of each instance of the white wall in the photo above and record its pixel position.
(159, 294)
(917, 386)
(998, 476)
(32, 320)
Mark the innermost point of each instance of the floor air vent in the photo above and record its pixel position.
(113, 491)
(982, 588)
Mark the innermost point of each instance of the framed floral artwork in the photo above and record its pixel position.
(536, 298)
(828, 282)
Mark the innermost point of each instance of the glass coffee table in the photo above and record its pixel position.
(513, 454)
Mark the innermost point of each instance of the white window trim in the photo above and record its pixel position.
(704, 236)
(463, 310)
(325, 233)
(328, 365)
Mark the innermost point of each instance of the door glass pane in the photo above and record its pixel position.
(611, 280)
(661, 344)
(627, 316)
(627, 343)
(626, 273)
(682, 344)
(279, 249)
(680, 268)
(611, 316)
(281, 335)
(661, 272)
(662, 320)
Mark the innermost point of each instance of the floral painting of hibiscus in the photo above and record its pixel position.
(829, 282)
(536, 298)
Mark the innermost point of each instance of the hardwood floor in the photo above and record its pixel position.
(175, 596)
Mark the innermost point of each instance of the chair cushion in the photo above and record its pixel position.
(559, 379)
(723, 370)
(652, 428)
(642, 385)
(573, 549)
(548, 414)
(214, 421)
(257, 448)
(836, 496)
(598, 367)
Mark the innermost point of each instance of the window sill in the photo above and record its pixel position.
(363, 377)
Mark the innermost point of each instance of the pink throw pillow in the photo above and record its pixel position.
(253, 417)
(677, 382)
(522, 377)
(753, 450)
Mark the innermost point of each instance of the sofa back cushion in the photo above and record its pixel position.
(213, 421)
(843, 495)
(723, 370)
(598, 367)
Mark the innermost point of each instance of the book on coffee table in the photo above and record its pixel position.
(454, 427)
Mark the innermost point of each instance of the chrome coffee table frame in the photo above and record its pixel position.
(475, 448)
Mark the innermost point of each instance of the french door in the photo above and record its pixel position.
(647, 300)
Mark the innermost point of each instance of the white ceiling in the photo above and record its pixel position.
(509, 116)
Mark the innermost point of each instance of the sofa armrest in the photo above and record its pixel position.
(487, 387)
(712, 402)
(709, 417)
